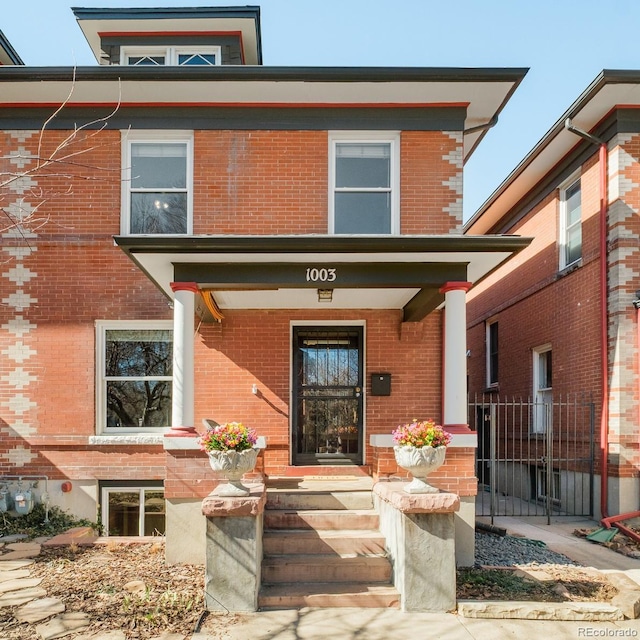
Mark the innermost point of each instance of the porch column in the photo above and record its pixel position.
(455, 356)
(182, 412)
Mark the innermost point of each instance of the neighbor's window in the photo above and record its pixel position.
(157, 181)
(134, 376)
(170, 56)
(492, 353)
(133, 511)
(570, 223)
(365, 179)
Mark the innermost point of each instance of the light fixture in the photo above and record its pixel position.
(325, 295)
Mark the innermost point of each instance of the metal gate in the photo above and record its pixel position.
(534, 458)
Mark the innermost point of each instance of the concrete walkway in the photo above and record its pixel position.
(340, 623)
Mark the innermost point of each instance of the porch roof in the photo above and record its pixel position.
(286, 272)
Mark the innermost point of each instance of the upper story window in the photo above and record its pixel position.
(157, 191)
(492, 353)
(170, 56)
(365, 183)
(134, 362)
(570, 222)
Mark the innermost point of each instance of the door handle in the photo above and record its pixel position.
(358, 391)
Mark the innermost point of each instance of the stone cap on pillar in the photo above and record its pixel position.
(222, 506)
(397, 497)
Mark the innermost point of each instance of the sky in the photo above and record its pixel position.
(564, 43)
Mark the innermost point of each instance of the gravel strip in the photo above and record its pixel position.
(507, 551)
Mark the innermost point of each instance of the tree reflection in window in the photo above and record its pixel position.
(138, 374)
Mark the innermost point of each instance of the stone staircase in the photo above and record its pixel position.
(322, 546)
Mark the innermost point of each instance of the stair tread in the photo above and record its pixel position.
(325, 558)
(324, 533)
(305, 588)
(340, 512)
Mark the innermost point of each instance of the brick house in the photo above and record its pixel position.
(560, 319)
(230, 241)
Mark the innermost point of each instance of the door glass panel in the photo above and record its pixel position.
(328, 379)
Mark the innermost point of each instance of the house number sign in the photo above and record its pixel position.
(321, 275)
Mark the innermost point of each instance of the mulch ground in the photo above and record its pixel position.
(130, 588)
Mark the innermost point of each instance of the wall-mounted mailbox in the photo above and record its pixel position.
(380, 384)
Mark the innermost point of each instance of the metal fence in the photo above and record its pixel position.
(534, 458)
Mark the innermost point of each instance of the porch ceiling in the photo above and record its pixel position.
(285, 272)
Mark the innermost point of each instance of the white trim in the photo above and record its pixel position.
(170, 53)
(104, 501)
(576, 177)
(102, 326)
(489, 323)
(390, 137)
(153, 136)
(540, 394)
(141, 439)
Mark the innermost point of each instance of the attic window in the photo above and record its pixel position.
(170, 56)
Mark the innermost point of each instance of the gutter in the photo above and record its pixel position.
(604, 352)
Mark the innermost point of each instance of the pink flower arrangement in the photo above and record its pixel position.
(229, 436)
(424, 433)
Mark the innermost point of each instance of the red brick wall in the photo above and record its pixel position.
(263, 182)
(535, 306)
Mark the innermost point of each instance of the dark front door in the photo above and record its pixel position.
(327, 407)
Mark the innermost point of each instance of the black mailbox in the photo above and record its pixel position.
(380, 384)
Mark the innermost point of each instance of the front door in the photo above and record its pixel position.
(327, 395)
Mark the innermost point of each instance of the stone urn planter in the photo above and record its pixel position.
(233, 465)
(419, 462)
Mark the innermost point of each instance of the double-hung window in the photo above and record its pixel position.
(157, 183)
(365, 183)
(170, 56)
(134, 376)
(492, 353)
(570, 222)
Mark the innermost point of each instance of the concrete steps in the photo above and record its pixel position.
(322, 546)
(288, 596)
(310, 541)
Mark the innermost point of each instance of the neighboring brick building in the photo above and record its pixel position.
(265, 220)
(552, 321)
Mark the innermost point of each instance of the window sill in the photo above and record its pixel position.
(143, 439)
(565, 271)
(494, 388)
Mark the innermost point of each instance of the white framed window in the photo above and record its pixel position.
(491, 341)
(364, 177)
(134, 376)
(157, 185)
(170, 56)
(570, 235)
(133, 510)
(542, 388)
(547, 486)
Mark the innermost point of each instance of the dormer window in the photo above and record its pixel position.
(170, 56)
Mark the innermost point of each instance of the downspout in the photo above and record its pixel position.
(604, 355)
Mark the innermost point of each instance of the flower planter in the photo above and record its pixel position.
(419, 462)
(233, 465)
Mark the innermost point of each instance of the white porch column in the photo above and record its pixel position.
(182, 411)
(455, 356)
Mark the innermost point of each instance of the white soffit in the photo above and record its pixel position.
(550, 150)
(159, 266)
